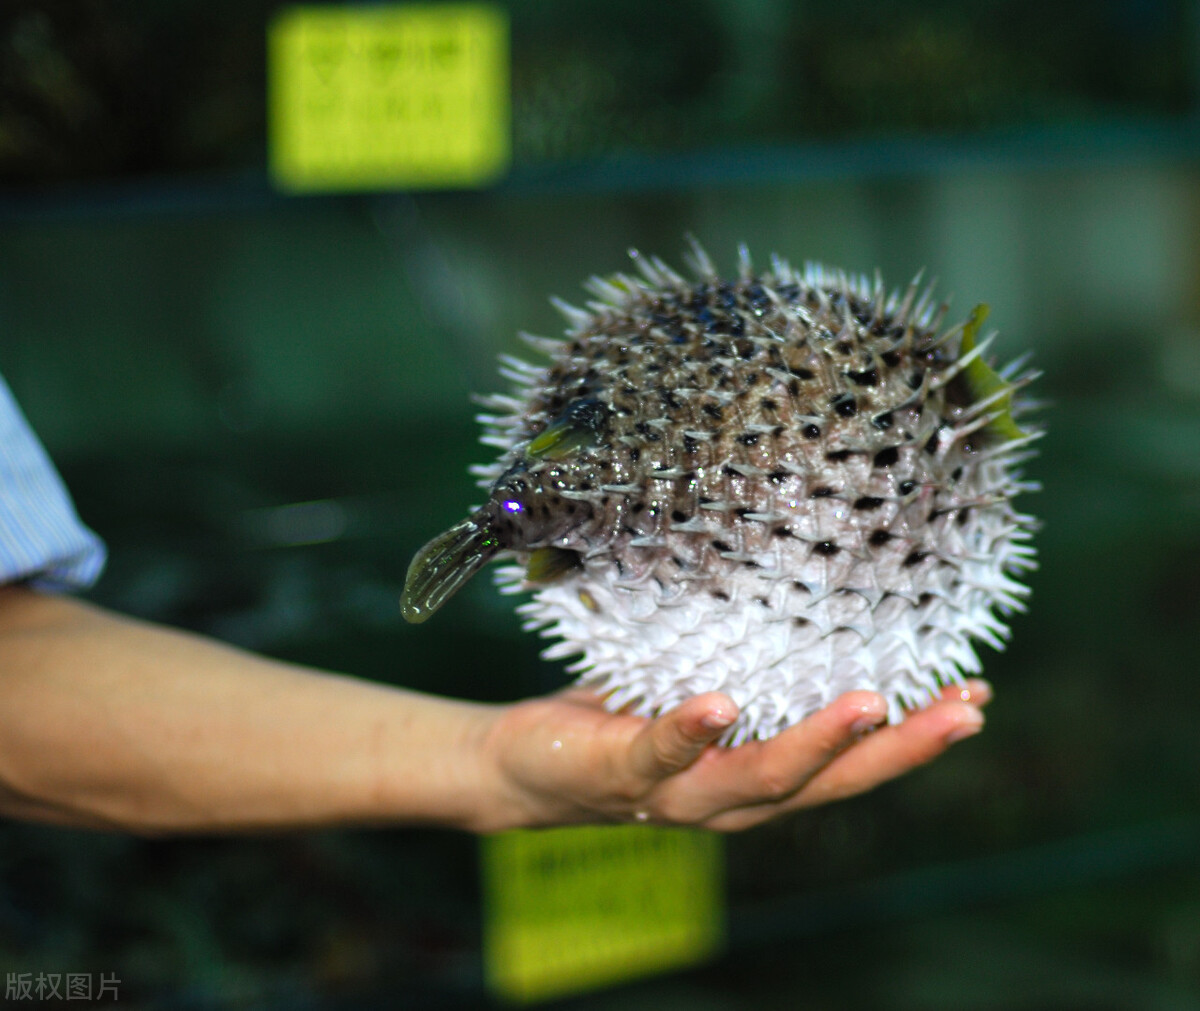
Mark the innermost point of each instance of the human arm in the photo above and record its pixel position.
(109, 722)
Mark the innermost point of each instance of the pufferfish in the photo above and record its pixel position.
(782, 485)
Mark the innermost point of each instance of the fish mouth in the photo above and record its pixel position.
(445, 565)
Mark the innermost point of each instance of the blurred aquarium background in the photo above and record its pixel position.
(261, 401)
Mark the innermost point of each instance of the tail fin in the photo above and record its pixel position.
(445, 564)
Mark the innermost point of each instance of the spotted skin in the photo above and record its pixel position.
(807, 429)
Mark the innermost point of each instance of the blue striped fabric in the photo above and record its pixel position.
(41, 537)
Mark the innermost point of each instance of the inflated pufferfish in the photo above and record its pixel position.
(782, 486)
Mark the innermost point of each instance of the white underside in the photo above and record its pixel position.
(649, 647)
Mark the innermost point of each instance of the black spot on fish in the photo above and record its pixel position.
(868, 502)
(887, 457)
(845, 405)
(826, 549)
(879, 538)
(669, 398)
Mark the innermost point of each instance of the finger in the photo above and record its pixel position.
(893, 751)
(880, 756)
(770, 772)
(674, 740)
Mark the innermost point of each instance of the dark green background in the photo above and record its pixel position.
(200, 353)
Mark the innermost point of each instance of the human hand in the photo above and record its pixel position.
(564, 758)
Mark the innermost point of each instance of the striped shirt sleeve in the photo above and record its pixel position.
(42, 540)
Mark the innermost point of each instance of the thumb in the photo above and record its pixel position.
(673, 741)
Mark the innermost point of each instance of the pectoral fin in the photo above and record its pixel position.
(443, 566)
(548, 564)
(984, 381)
(581, 425)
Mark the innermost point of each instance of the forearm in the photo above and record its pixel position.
(113, 723)
(109, 722)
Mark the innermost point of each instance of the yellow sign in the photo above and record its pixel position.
(388, 96)
(572, 909)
